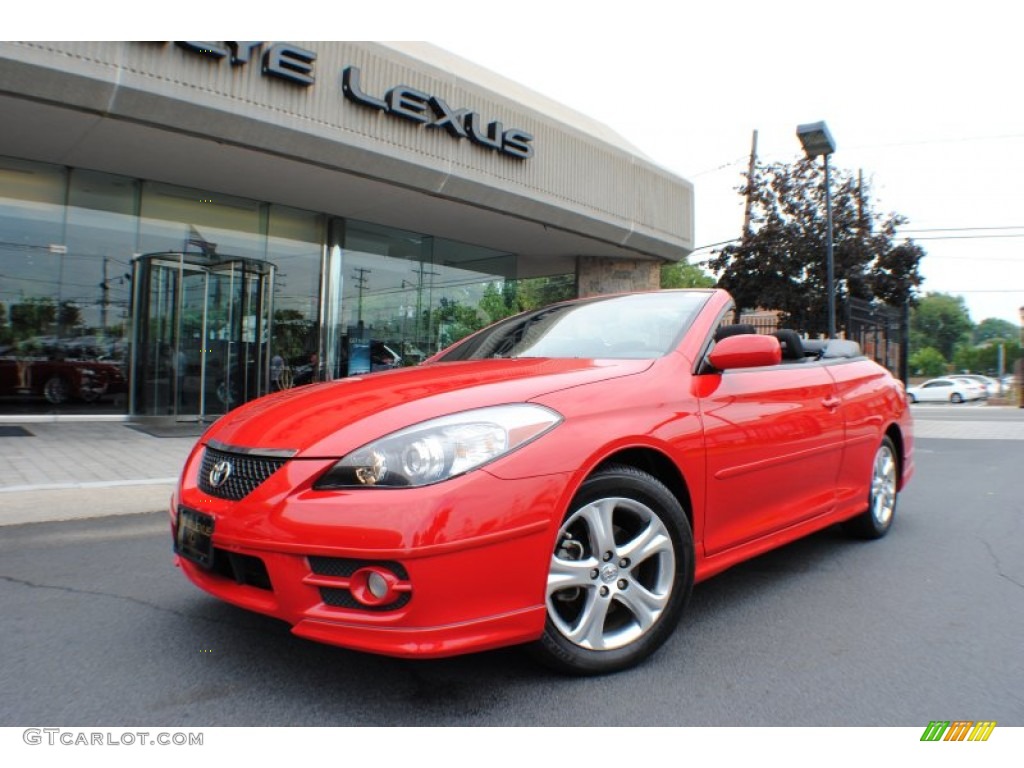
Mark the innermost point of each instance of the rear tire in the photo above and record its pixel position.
(955, 398)
(876, 520)
(620, 575)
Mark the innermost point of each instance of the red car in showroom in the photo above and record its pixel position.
(561, 478)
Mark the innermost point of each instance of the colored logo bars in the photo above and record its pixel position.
(958, 730)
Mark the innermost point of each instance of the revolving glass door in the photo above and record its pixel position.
(201, 334)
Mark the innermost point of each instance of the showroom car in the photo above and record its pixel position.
(560, 479)
(945, 390)
(60, 380)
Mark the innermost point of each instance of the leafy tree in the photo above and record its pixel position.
(684, 275)
(497, 304)
(984, 358)
(69, 316)
(33, 316)
(537, 292)
(453, 321)
(941, 321)
(779, 263)
(994, 328)
(928, 362)
(6, 334)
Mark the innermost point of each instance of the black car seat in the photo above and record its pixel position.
(792, 345)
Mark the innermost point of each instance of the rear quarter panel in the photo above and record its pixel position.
(872, 401)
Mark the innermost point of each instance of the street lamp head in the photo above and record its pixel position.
(816, 139)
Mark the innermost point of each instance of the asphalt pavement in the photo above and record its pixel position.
(67, 470)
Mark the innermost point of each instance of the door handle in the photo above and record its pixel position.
(831, 402)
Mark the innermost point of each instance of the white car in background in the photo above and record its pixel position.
(945, 390)
(992, 387)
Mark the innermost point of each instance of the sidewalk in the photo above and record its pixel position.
(70, 470)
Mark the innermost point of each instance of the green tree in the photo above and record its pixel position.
(928, 362)
(33, 317)
(941, 321)
(69, 316)
(499, 303)
(984, 358)
(994, 328)
(684, 275)
(6, 333)
(537, 292)
(779, 263)
(453, 321)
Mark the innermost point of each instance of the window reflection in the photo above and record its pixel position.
(324, 297)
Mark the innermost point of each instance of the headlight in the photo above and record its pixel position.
(440, 448)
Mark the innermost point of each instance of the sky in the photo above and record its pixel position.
(923, 97)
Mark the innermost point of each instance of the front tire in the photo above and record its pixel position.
(955, 398)
(876, 520)
(56, 390)
(620, 575)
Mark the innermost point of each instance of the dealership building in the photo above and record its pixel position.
(187, 225)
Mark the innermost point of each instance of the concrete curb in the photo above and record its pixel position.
(56, 504)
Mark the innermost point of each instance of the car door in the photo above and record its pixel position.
(774, 440)
(937, 391)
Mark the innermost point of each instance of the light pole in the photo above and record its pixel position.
(817, 140)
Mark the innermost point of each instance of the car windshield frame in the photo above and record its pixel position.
(638, 326)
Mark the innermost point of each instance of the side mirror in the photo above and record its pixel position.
(748, 350)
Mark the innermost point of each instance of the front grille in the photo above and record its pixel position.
(244, 569)
(246, 474)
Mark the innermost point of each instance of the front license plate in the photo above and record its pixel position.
(195, 537)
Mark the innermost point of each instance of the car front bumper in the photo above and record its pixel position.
(466, 560)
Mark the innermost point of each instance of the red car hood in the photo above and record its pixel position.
(334, 418)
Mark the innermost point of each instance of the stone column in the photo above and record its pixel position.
(596, 275)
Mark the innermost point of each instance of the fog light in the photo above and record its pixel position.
(376, 585)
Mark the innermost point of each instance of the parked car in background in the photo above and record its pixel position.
(991, 386)
(945, 390)
(561, 478)
(60, 380)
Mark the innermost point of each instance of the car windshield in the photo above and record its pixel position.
(637, 326)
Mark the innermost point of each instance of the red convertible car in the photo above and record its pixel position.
(561, 479)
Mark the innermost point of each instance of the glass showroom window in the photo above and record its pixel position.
(406, 295)
(66, 237)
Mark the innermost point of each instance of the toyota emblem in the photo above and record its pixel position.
(220, 473)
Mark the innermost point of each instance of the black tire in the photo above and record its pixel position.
(912, 398)
(620, 576)
(955, 398)
(876, 520)
(56, 390)
(92, 389)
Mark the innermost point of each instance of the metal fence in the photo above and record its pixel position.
(882, 332)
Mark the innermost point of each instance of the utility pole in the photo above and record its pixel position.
(361, 282)
(750, 183)
(420, 271)
(105, 300)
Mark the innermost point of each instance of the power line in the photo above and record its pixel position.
(963, 237)
(959, 229)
